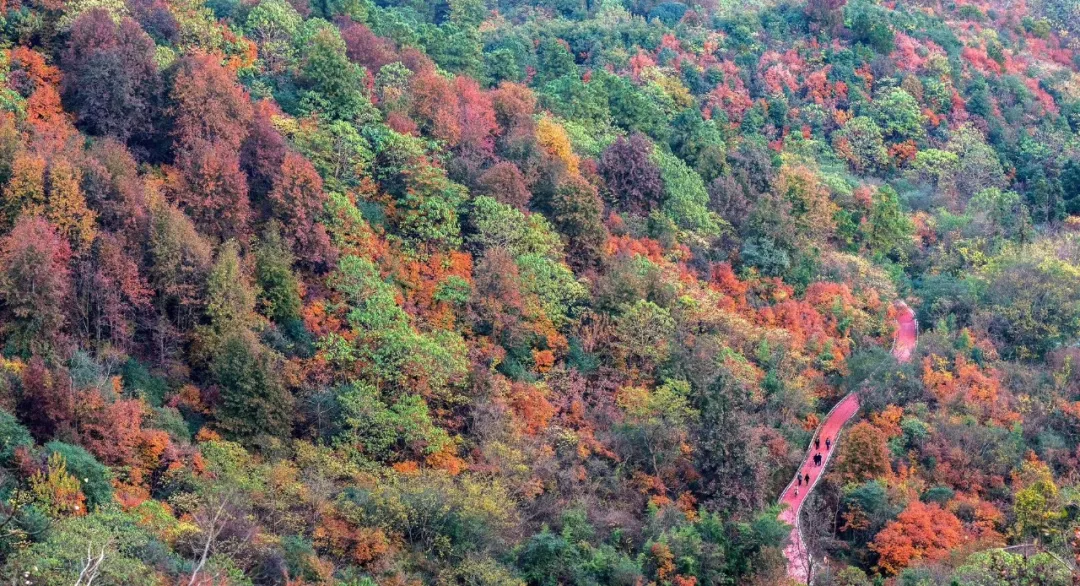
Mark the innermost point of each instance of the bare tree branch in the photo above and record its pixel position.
(213, 530)
(92, 566)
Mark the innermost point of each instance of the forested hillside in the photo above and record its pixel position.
(550, 292)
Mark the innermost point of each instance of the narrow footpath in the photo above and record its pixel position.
(825, 443)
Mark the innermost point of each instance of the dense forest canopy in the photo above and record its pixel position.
(505, 292)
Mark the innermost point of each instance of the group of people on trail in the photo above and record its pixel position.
(800, 479)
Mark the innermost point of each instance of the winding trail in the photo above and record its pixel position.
(799, 567)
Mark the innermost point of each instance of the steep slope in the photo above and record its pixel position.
(799, 566)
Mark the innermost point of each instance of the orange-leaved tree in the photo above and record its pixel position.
(921, 532)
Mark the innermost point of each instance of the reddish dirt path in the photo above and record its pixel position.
(907, 337)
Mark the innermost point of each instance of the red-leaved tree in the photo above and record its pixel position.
(35, 285)
(297, 200)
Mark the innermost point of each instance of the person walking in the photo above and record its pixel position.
(817, 443)
(796, 492)
(798, 480)
(807, 480)
(817, 459)
(828, 444)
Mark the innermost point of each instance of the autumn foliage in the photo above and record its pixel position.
(539, 293)
(920, 532)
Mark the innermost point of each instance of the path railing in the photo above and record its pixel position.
(802, 551)
(801, 541)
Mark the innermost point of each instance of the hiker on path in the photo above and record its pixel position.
(796, 492)
(817, 443)
(817, 459)
(798, 480)
(807, 480)
(828, 444)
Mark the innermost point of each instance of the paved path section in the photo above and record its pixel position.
(907, 338)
